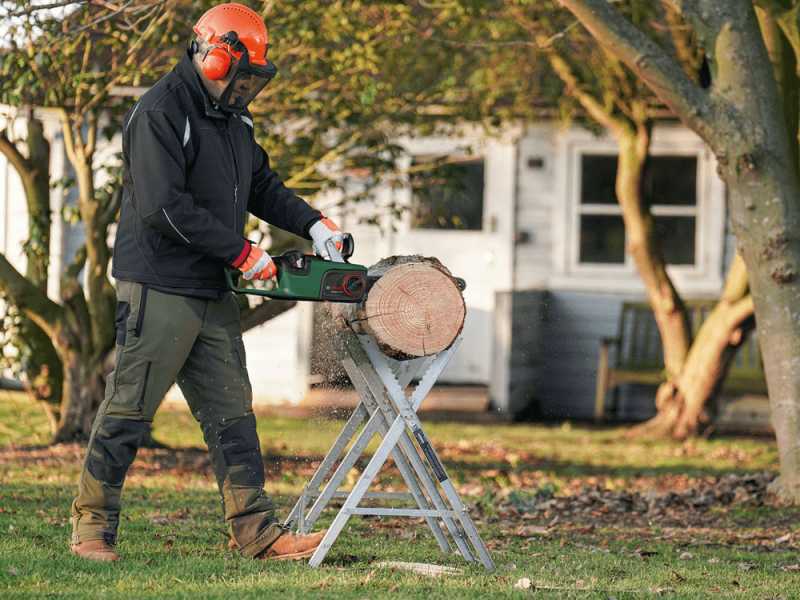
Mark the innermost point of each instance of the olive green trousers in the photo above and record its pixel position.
(164, 338)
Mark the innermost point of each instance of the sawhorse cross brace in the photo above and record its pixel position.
(390, 413)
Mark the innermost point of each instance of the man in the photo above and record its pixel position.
(192, 172)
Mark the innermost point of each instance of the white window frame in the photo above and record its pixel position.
(615, 209)
(704, 278)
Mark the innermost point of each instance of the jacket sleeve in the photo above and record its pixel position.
(158, 171)
(276, 204)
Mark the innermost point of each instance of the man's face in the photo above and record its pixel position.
(240, 86)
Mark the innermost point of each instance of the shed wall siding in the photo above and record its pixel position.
(573, 325)
(536, 194)
(517, 351)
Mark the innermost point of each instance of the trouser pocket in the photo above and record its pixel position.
(130, 384)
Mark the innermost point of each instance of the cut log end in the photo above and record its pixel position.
(414, 309)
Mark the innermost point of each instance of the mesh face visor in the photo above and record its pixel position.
(246, 83)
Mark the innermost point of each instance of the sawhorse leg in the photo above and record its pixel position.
(374, 380)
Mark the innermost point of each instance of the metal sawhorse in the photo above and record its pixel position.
(389, 412)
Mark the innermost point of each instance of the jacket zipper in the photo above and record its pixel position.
(236, 177)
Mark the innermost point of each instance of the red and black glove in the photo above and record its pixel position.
(255, 263)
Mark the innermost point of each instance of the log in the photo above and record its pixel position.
(414, 309)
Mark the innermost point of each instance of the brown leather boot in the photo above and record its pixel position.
(293, 546)
(95, 550)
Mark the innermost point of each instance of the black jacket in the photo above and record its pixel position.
(191, 175)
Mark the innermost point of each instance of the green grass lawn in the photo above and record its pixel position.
(579, 512)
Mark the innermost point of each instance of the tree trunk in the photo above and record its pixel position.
(100, 294)
(668, 308)
(415, 308)
(38, 362)
(742, 119)
(772, 253)
(84, 387)
(681, 402)
(42, 372)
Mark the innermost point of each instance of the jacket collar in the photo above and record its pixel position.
(187, 73)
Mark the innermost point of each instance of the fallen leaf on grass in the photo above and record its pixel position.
(791, 568)
(686, 556)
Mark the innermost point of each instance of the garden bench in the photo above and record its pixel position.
(637, 356)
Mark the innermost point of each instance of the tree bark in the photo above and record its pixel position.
(414, 309)
(668, 308)
(84, 387)
(100, 293)
(43, 372)
(681, 402)
(742, 119)
(39, 363)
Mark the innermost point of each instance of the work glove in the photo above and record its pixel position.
(322, 233)
(257, 264)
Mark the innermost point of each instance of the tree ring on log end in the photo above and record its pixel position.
(415, 309)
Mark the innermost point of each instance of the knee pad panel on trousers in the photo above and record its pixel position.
(242, 453)
(114, 447)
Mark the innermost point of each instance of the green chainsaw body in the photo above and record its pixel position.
(307, 277)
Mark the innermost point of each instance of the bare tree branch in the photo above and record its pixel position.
(34, 8)
(29, 298)
(14, 156)
(649, 61)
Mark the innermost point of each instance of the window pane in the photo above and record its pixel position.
(671, 180)
(677, 237)
(598, 177)
(602, 239)
(449, 197)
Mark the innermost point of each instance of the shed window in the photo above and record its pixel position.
(448, 195)
(670, 190)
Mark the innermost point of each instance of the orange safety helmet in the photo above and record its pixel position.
(236, 44)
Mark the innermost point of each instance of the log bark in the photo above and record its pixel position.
(415, 307)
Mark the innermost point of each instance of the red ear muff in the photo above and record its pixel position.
(216, 63)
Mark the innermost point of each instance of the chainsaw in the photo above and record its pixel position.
(308, 277)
